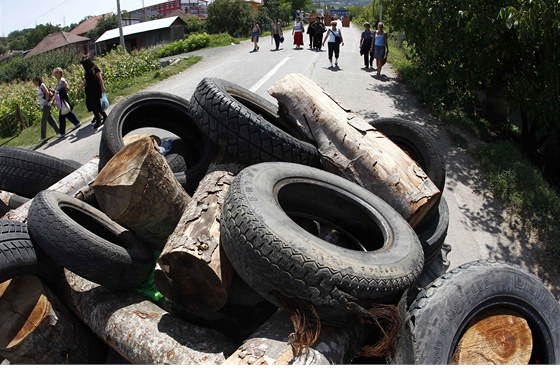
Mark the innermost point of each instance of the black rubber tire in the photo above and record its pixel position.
(74, 163)
(17, 253)
(432, 235)
(88, 243)
(438, 317)
(164, 111)
(418, 142)
(271, 252)
(26, 172)
(247, 125)
(176, 162)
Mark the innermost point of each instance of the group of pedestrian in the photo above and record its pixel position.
(315, 32)
(373, 45)
(94, 88)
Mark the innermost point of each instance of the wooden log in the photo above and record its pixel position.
(269, 345)
(498, 337)
(195, 272)
(352, 148)
(71, 184)
(139, 330)
(11, 200)
(37, 329)
(137, 189)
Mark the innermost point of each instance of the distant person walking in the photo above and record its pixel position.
(334, 37)
(94, 88)
(45, 99)
(277, 32)
(297, 32)
(380, 48)
(365, 45)
(319, 31)
(311, 32)
(62, 88)
(255, 33)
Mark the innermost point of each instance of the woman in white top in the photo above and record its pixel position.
(62, 88)
(334, 43)
(45, 99)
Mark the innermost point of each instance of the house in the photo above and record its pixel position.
(143, 34)
(60, 40)
(89, 24)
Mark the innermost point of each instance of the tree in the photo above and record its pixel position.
(104, 24)
(230, 16)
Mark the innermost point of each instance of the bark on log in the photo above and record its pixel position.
(139, 330)
(71, 185)
(137, 189)
(352, 148)
(11, 200)
(194, 271)
(269, 345)
(499, 337)
(37, 329)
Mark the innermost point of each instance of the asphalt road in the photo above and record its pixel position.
(479, 227)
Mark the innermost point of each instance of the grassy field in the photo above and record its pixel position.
(29, 137)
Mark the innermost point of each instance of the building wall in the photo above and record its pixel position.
(147, 39)
(194, 7)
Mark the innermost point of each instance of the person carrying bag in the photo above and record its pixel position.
(63, 102)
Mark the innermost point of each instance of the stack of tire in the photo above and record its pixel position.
(293, 231)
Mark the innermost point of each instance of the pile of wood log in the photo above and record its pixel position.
(198, 310)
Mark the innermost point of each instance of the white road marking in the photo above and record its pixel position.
(268, 75)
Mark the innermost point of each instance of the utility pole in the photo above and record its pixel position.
(380, 10)
(119, 19)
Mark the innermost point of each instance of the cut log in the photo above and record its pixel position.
(37, 329)
(138, 190)
(352, 148)
(139, 330)
(269, 345)
(11, 200)
(71, 185)
(195, 272)
(498, 337)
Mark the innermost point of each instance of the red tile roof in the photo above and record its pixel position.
(89, 24)
(54, 41)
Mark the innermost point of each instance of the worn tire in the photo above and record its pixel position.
(440, 313)
(85, 241)
(18, 255)
(247, 125)
(432, 234)
(163, 111)
(418, 143)
(271, 252)
(26, 172)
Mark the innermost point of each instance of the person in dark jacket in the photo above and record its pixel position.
(365, 45)
(62, 88)
(94, 88)
(311, 33)
(319, 29)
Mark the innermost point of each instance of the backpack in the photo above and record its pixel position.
(51, 93)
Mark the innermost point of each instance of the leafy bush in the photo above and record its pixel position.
(194, 42)
(19, 68)
(195, 25)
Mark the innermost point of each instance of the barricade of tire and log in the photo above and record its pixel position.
(180, 250)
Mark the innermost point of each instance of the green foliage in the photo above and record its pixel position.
(27, 39)
(104, 24)
(195, 25)
(361, 14)
(229, 16)
(274, 9)
(521, 186)
(18, 68)
(119, 70)
(194, 42)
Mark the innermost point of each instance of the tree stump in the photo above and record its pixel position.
(499, 337)
(71, 185)
(193, 270)
(139, 330)
(269, 345)
(37, 329)
(138, 190)
(352, 148)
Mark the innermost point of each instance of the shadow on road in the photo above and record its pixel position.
(84, 131)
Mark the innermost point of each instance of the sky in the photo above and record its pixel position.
(21, 14)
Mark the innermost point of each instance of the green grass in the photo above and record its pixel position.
(29, 137)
